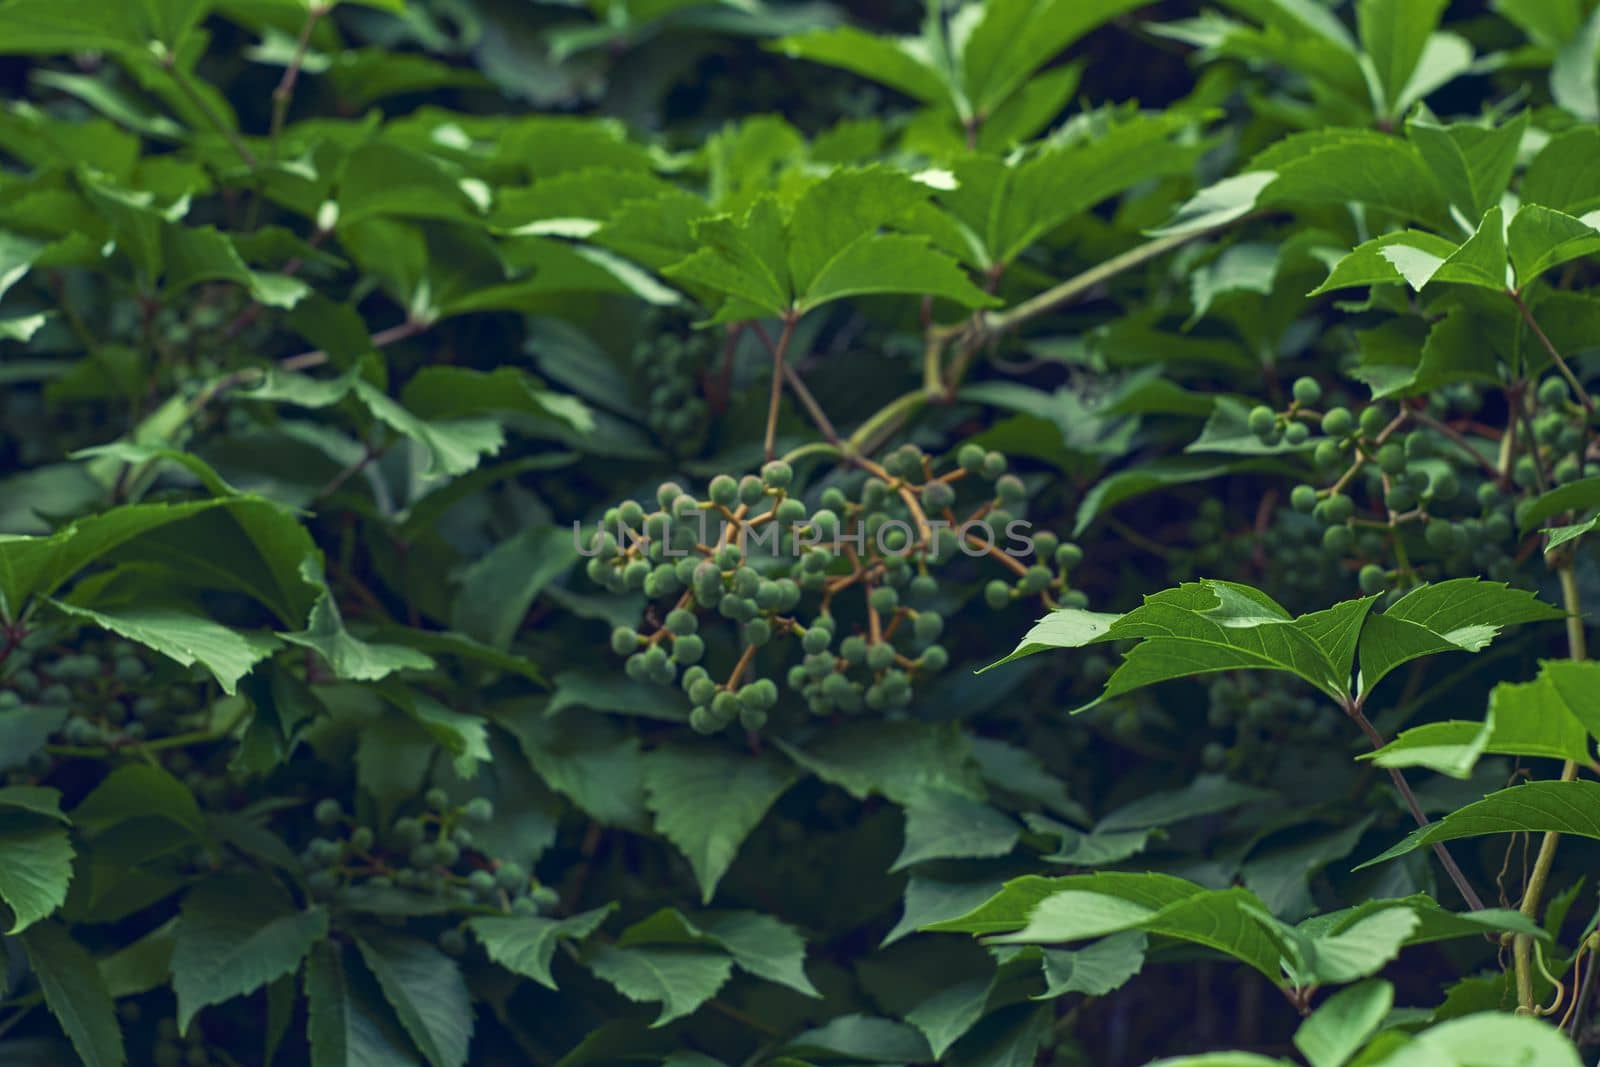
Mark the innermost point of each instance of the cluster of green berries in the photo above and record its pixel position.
(848, 579)
(671, 367)
(1292, 427)
(1258, 716)
(1561, 435)
(433, 852)
(85, 690)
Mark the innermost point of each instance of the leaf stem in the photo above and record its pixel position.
(1533, 896)
(1550, 348)
(1078, 285)
(284, 93)
(778, 355)
(1470, 895)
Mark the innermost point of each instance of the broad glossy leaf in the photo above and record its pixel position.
(1537, 807)
(1014, 38)
(234, 936)
(1539, 719)
(942, 824)
(1580, 495)
(525, 945)
(1341, 1024)
(1486, 1040)
(1333, 166)
(75, 994)
(1157, 474)
(1012, 907)
(348, 1023)
(349, 656)
(1393, 34)
(679, 979)
(185, 637)
(1096, 969)
(898, 62)
(1379, 261)
(1471, 162)
(1541, 238)
(760, 944)
(1461, 614)
(707, 800)
(1565, 175)
(947, 1015)
(1575, 75)
(427, 992)
(35, 866)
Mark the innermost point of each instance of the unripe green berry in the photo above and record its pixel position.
(1338, 539)
(1306, 391)
(1372, 579)
(883, 600)
(724, 490)
(1262, 420)
(1303, 498)
(1392, 458)
(328, 812)
(929, 625)
(777, 474)
(479, 810)
(880, 656)
(436, 799)
(1296, 434)
(1338, 422)
(997, 594)
(688, 650)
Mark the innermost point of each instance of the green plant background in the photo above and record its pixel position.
(355, 357)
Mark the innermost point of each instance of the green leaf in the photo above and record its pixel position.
(1380, 261)
(1333, 166)
(898, 760)
(185, 637)
(38, 566)
(498, 589)
(525, 945)
(1540, 719)
(139, 791)
(1012, 908)
(427, 992)
(1096, 969)
(947, 1015)
(35, 866)
(1541, 238)
(759, 944)
(949, 825)
(1206, 795)
(890, 263)
(1393, 34)
(349, 657)
(1219, 919)
(234, 936)
(1580, 495)
(1462, 614)
(707, 800)
(1485, 1040)
(348, 1022)
(75, 994)
(1014, 38)
(1562, 807)
(1575, 75)
(898, 62)
(1472, 163)
(679, 979)
(1341, 1024)
(1565, 175)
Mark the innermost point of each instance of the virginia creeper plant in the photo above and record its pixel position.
(986, 532)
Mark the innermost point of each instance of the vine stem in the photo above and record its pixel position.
(1077, 285)
(1464, 887)
(284, 93)
(1533, 896)
(778, 355)
(1550, 349)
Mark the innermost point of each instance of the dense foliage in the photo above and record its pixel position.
(516, 518)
